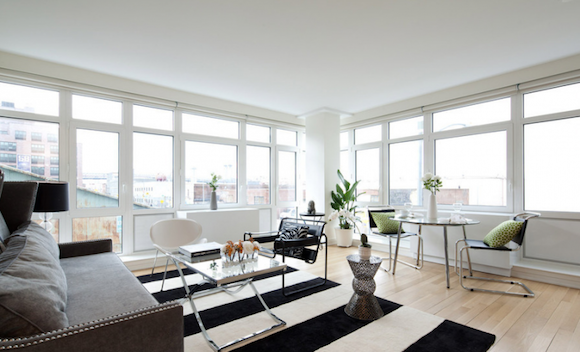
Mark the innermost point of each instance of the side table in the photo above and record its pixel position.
(363, 304)
(315, 216)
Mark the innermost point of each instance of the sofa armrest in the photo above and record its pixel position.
(154, 329)
(77, 249)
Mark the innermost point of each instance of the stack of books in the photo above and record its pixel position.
(201, 251)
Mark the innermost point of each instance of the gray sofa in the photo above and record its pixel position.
(73, 296)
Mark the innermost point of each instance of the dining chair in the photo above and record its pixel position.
(392, 232)
(515, 244)
(170, 234)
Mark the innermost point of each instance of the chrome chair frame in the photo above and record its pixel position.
(479, 245)
(387, 209)
(185, 230)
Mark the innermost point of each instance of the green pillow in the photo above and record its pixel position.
(385, 224)
(503, 233)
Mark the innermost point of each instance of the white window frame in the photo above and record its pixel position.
(521, 122)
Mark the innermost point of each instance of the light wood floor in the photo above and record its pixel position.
(548, 322)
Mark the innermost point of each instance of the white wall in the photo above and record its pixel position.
(322, 161)
(511, 78)
(21, 66)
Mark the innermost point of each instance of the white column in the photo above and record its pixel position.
(322, 161)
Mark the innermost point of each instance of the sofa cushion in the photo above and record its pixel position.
(45, 239)
(32, 288)
(100, 286)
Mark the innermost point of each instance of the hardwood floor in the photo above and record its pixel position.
(548, 322)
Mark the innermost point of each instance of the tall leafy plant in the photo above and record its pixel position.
(343, 203)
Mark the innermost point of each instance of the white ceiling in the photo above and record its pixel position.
(295, 56)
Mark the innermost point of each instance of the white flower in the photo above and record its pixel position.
(248, 247)
(437, 178)
(343, 213)
(351, 217)
(333, 215)
(427, 177)
(223, 249)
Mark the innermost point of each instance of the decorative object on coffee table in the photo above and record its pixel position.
(236, 252)
(213, 184)
(363, 304)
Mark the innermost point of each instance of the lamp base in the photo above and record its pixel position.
(46, 224)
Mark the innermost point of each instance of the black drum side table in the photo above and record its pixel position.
(363, 304)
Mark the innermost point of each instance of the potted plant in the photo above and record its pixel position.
(364, 250)
(213, 184)
(432, 183)
(344, 209)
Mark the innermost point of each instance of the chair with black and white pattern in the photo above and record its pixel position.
(296, 238)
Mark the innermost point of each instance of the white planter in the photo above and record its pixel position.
(344, 237)
(432, 207)
(364, 252)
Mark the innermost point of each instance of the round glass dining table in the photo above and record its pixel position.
(441, 222)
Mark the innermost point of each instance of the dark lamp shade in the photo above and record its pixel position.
(51, 197)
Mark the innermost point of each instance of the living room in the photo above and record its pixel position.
(136, 105)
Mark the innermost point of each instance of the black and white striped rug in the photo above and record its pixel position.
(315, 319)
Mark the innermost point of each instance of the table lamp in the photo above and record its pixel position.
(51, 197)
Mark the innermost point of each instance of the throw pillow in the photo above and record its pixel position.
(33, 289)
(385, 224)
(503, 233)
(292, 232)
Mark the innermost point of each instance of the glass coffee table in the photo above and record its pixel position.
(231, 278)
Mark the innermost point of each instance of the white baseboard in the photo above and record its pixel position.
(475, 267)
(562, 275)
(142, 261)
(556, 274)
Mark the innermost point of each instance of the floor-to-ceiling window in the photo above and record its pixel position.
(131, 161)
(96, 132)
(551, 149)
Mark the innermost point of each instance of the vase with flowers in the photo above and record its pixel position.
(433, 184)
(213, 185)
(343, 203)
(233, 253)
